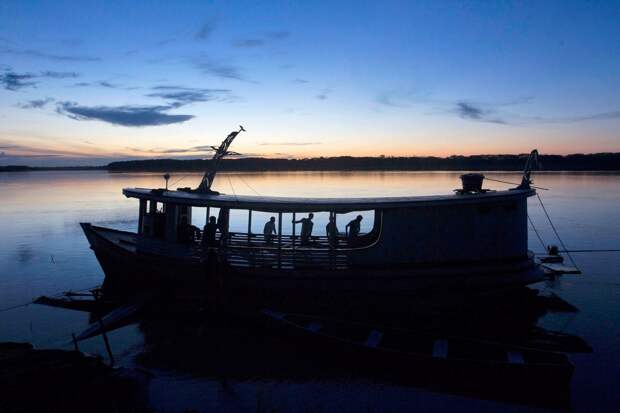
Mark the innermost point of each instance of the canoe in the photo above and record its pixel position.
(494, 368)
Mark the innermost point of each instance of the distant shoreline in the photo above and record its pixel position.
(598, 162)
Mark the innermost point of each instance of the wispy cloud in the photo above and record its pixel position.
(224, 70)
(249, 43)
(179, 96)
(581, 118)
(48, 56)
(278, 34)
(206, 29)
(36, 103)
(471, 111)
(289, 143)
(324, 94)
(131, 116)
(59, 75)
(15, 81)
(201, 149)
(298, 80)
(104, 84)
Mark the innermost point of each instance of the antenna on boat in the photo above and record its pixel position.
(220, 152)
(531, 163)
(167, 178)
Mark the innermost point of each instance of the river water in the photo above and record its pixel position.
(43, 252)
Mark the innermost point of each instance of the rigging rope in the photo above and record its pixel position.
(556, 231)
(513, 183)
(536, 231)
(178, 180)
(232, 188)
(248, 185)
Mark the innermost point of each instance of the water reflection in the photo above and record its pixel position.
(43, 251)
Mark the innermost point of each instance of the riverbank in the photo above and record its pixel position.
(576, 162)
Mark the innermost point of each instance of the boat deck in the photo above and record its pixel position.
(239, 250)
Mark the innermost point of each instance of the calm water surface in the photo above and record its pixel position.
(43, 252)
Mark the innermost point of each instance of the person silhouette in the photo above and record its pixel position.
(209, 231)
(352, 230)
(306, 228)
(269, 231)
(332, 231)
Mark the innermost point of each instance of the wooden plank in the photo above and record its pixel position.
(515, 357)
(440, 349)
(374, 338)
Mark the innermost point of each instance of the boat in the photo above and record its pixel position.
(404, 355)
(471, 241)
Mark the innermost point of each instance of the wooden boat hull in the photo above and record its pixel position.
(499, 371)
(127, 266)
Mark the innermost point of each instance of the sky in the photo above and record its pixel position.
(86, 83)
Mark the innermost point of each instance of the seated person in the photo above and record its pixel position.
(186, 232)
(306, 228)
(269, 231)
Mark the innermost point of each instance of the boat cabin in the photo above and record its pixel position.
(396, 231)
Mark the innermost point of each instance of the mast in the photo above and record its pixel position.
(532, 162)
(220, 152)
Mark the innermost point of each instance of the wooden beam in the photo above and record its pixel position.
(141, 213)
(279, 239)
(249, 225)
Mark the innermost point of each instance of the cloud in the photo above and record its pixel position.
(300, 81)
(582, 118)
(36, 104)
(278, 35)
(472, 111)
(15, 81)
(289, 143)
(103, 83)
(323, 94)
(249, 43)
(206, 29)
(219, 69)
(179, 96)
(131, 116)
(59, 75)
(48, 56)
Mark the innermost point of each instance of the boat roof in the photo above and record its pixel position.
(297, 204)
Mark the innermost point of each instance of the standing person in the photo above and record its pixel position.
(269, 231)
(208, 233)
(332, 231)
(306, 228)
(222, 223)
(352, 230)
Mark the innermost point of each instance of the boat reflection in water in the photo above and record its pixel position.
(433, 295)
(487, 348)
(492, 350)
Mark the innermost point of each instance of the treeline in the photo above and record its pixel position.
(577, 162)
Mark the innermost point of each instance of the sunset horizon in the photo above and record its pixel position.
(130, 82)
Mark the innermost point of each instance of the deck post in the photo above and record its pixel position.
(294, 232)
(208, 212)
(141, 215)
(249, 225)
(279, 239)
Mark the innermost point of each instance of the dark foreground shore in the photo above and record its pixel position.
(64, 381)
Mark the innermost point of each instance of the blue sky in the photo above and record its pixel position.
(89, 82)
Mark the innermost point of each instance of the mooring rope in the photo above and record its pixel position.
(556, 232)
(536, 232)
